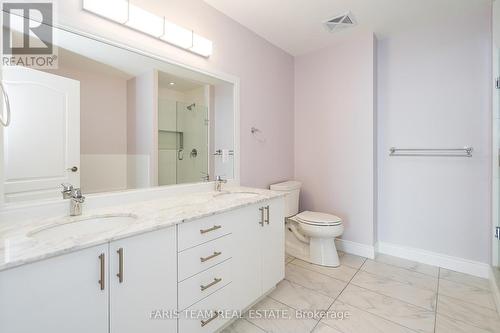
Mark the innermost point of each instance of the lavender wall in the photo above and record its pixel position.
(265, 71)
(435, 91)
(334, 133)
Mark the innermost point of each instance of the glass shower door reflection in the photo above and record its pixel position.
(192, 162)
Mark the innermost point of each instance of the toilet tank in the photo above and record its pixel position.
(292, 189)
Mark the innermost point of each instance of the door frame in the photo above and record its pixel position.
(495, 168)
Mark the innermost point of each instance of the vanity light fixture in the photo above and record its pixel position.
(123, 12)
(144, 21)
(177, 35)
(114, 10)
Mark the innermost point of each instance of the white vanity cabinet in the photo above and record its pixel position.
(143, 283)
(272, 244)
(58, 295)
(259, 258)
(199, 269)
(74, 292)
(250, 263)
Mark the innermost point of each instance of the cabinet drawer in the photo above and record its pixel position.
(197, 232)
(204, 256)
(198, 318)
(205, 283)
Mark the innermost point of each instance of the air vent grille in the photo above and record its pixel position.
(340, 22)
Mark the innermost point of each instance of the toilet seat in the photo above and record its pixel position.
(318, 219)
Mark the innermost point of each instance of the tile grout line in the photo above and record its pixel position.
(373, 314)
(469, 303)
(437, 300)
(409, 284)
(311, 270)
(411, 270)
(396, 299)
(260, 328)
(335, 299)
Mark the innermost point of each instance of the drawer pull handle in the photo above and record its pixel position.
(102, 275)
(267, 214)
(262, 214)
(216, 254)
(120, 265)
(215, 227)
(206, 322)
(211, 284)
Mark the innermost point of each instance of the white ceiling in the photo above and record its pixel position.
(296, 25)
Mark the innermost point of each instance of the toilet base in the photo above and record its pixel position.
(322, 251)
(302, 251)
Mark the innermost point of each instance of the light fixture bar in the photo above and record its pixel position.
(144, 21)
(132, 16)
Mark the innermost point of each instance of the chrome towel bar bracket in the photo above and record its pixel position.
(432, 152)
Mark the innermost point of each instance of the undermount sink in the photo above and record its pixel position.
(235, 195)
(82, 226)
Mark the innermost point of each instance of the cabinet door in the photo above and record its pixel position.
(273, 245)
(247, 233)
(148, 287)
(57, 295)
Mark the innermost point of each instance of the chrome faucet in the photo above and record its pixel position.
(218, 183)
(76, 199)
(66, 191)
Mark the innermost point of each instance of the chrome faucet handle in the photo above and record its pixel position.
(220, 179)
(67, 190)
(76, 194)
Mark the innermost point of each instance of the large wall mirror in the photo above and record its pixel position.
(112, 119)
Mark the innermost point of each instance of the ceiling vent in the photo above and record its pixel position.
(340, 22)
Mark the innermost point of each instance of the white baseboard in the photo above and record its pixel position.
(358, 249)
(466, 266)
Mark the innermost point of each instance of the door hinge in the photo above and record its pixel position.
(497, 83)
(497, 233)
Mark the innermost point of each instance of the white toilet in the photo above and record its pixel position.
(310, 236)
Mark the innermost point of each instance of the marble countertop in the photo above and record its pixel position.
(20, 244)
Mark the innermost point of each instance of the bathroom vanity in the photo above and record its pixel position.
(179, 264)
(136, 141)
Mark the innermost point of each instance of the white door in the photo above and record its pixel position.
(143, 279)
(42, 143)
(273, 245)
(58, 295)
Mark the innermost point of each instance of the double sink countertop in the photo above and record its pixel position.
(37, 239)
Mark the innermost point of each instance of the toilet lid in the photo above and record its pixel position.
(316, 218)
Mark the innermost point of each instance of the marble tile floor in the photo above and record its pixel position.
(385, 295)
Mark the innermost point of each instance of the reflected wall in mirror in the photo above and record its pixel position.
(111, 119)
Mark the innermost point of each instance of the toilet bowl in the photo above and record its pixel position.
(310, 235)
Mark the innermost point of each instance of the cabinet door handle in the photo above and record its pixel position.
(215, 227)
(102, 260)
(216, 254)
(267, 214)
(206, 322)
(120, 265)
(211, 284)
(261, 216)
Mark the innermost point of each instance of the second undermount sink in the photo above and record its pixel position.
(83, 226)
(235, 195)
